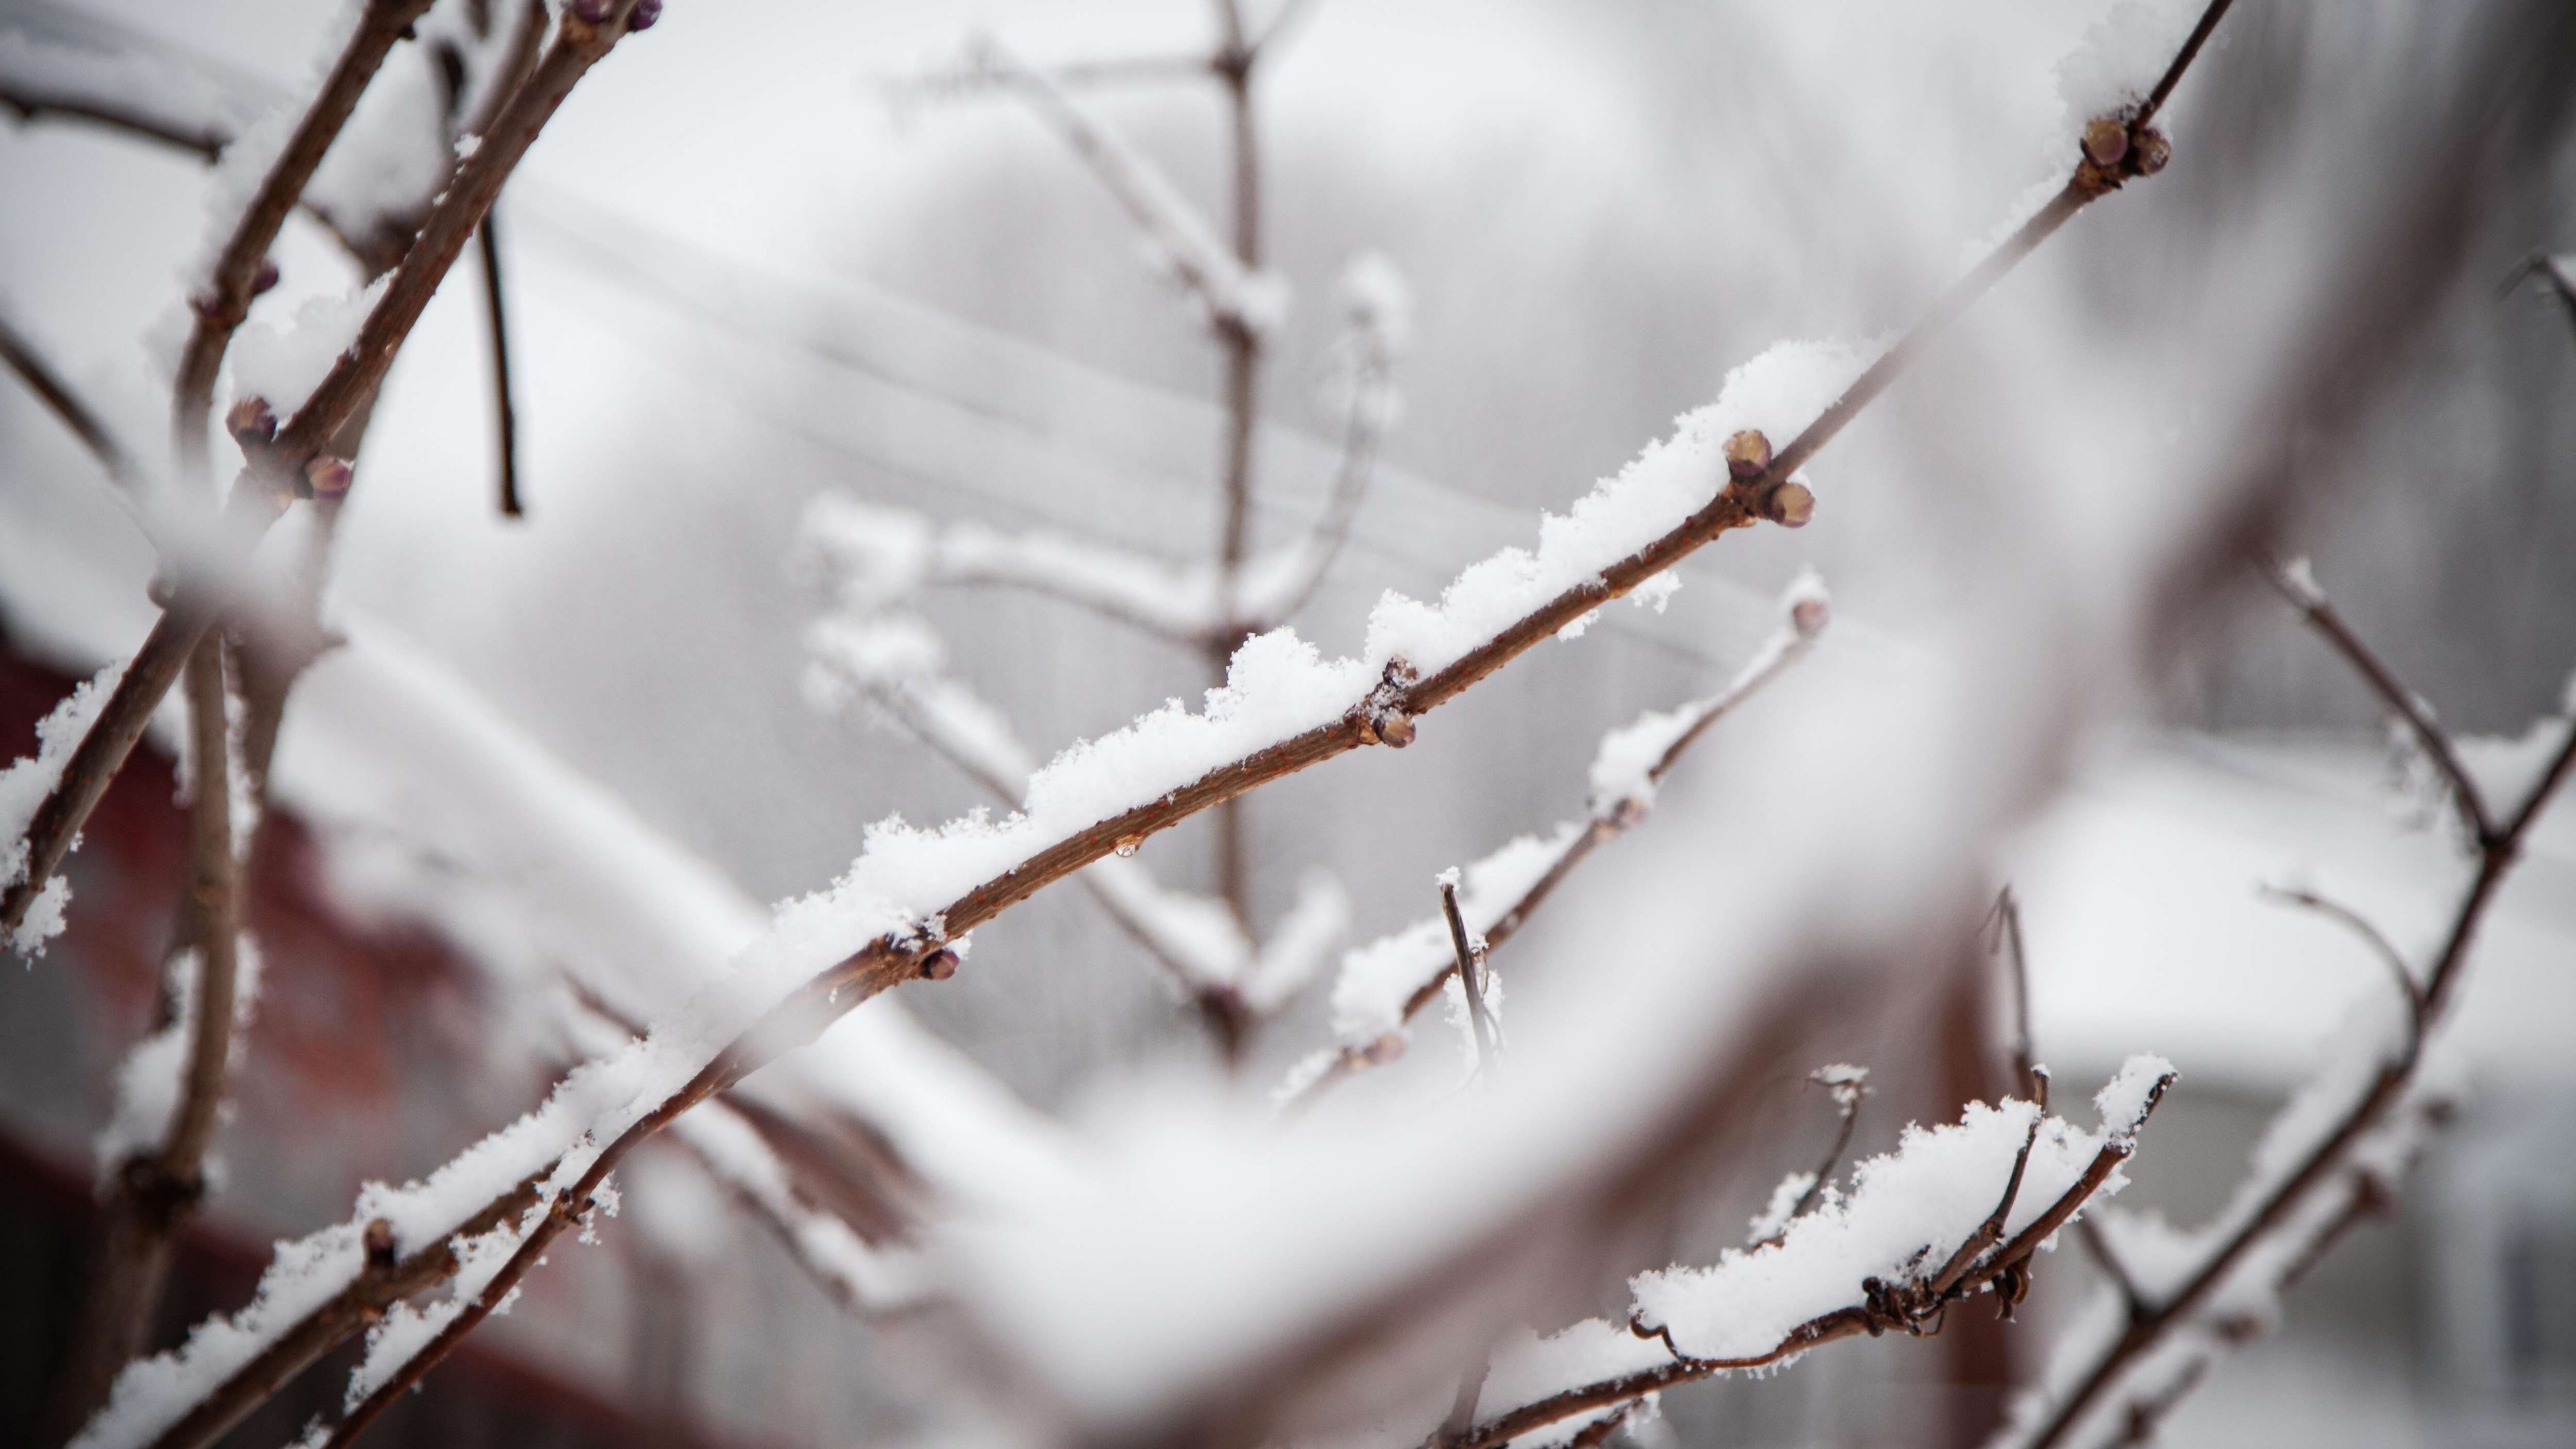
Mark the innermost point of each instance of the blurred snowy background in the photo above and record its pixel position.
(741, 275)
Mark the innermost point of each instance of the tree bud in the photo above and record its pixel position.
(1791, 505)
(1809, 616)
(1747, 454)
(643, 15)
(939, 965)
(328, 477)
(251, 422)
(2106, 140)
(2153, 152)
(1395, 729)
(264, 278)
(379, 1241)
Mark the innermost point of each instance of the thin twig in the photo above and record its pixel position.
(2398, 971)
(1470, 952)
(56, 394)
(1848, 1094)
(2182, 60)
(505, 413)
(2310, 601)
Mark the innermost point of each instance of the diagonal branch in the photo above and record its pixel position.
(2399, 972)
(56, 394)
(2297, 584)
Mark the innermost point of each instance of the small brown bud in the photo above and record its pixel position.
(1385, 1049)
(264, 278)
(328, 477)
(1809, 616)
(939, 965)
(1791, 505)
(379, 1241)
(1395, 727)
(251, 421)
(2153, 152)
(2106, 140)
(1747, 454)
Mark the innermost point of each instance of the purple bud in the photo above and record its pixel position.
(643, 16)
(2153, 152)
(2106, 140)
(264, 278)
(328, 477)
(1792, 505)
(939, 965)
(1809, 616)
(251, 422)
(1747, 454)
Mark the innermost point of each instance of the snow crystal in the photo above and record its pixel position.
(23, 788)
(149, 1081)
(1775, 1215)
(2125, 1100)
(403, 1332)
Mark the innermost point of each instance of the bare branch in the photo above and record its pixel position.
(2300, 588)
(1470, 952)
(1230, 288)
(56, 394)
(1849, 1086)
(2398, 971)
(505, 413)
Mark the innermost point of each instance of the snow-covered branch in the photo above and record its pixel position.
(1234, 296)
(1956, 1211)
(1383, 984)
(899, 667)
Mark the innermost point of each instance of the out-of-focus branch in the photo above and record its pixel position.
(2299, 586)
(1199, 944)
(2554, 275)
(2399, 972)
(1232, 291)
(223, 301)
(57, 395)
(2332, 1157)
(156, 1190)
(1470, 953)
(505, 415)
(285, 468)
